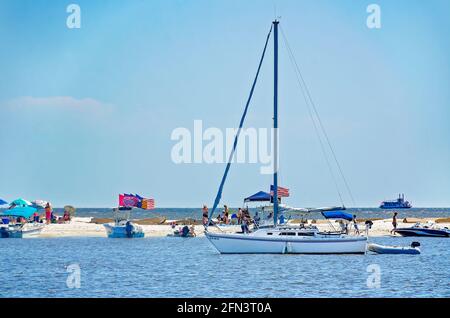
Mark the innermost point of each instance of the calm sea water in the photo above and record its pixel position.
(175, 267)
(180, 213)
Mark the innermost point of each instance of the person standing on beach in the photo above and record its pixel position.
(225, 217)
(245, 224)
(355, 224)
(48, 213)
(205, 215)
(239, 216)
(394, 222)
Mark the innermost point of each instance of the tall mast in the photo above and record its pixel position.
(275, 122)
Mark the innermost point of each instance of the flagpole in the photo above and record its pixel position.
(275, 123)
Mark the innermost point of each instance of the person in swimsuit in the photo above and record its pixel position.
(394, 222)
(225, 215)
(192, 230)
(205, 215)
(239, 216)
(48, 213)
(355, 224)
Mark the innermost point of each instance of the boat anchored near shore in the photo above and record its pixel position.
(279, 239)
(287, 240)
(429, 230)
(122, 226)
(9, 228)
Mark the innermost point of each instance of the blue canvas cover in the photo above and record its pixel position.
(337, 215)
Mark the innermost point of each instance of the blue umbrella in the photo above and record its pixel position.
(3, 202)
(24, 211)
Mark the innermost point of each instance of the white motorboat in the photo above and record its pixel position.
(27, 230)
(122, 226)
(21, 212)
(429, 229)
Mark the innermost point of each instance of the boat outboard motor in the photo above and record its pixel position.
(368, 224)
(415, 244)
(185, 231)
(129, 229)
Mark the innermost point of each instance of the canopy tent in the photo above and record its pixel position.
(337, 215)
(258, 197)
(24, 211)
(21, 202)
(3, 202)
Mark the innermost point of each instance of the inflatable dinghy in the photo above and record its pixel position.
(385, 249)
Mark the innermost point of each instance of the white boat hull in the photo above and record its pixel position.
(120, 231)
(25, 232)
(252, 244)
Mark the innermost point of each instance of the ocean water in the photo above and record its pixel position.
(176, 267)
(196, 213)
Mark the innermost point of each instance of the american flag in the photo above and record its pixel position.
(148, 204)
(282, 192)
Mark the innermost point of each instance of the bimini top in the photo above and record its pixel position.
(258, 197)
(26, 212)
(337, 215)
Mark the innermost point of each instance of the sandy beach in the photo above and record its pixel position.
(83, 227)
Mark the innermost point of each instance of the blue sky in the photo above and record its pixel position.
(87, 113)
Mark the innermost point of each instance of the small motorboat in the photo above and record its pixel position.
(386, 249)
(26, 230)
(429, 229)
(122, 226)
(15, 221)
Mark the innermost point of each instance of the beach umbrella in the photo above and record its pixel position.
(3, 202)
(70, 209)
(23, 211)
(21, 202)
(39, 203)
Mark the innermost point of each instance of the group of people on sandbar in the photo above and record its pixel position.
(184, 231)
(51, 217)
(48, 217)
(242, 218)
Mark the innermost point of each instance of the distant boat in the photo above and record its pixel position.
(400, 203)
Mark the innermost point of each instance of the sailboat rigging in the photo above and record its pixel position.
(280, 238)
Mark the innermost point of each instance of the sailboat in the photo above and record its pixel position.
(279, 239)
